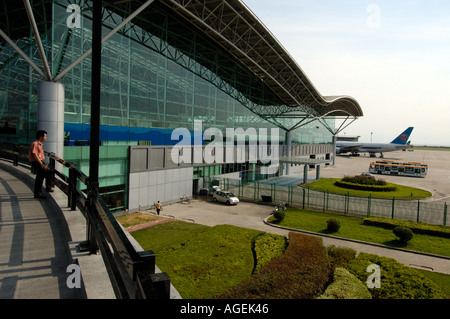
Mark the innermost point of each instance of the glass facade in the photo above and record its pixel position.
(158, 74)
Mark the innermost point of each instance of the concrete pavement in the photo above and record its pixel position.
(39, 239)
(33, 261)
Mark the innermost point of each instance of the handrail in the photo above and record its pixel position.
(132, 273)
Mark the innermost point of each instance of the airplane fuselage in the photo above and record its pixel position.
(399, 143)
(371, 148)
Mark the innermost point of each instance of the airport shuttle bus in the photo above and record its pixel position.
(398, 168)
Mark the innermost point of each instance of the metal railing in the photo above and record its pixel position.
(132, 273)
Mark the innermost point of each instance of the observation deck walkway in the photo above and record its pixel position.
(39, 241)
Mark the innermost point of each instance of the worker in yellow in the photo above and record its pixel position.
(158, 207)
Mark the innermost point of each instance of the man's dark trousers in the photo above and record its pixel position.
(41, 174)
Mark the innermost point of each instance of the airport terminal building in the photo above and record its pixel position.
(174, 74)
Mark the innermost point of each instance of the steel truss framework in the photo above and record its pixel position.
(266, 79)
(234, 27)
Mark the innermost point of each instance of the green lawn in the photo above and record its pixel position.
(352, 227)
(162, 236)
(201, 261)
(442, 280)
(402, 192)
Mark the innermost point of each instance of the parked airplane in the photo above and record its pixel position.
(399, 143)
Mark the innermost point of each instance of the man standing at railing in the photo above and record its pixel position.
(36, 157)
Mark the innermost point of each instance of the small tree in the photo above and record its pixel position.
(279, 216)
(403, 233)
(333, 225)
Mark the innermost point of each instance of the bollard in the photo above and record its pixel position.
(324, 200)
(72, 193)
(161, 284)
(418, 210)
(393, 207)
(146, 263)
(153, 286)
(15, 155)
(52, 166)
(303, 203)
(445, 214)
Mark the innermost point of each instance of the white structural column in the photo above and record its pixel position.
(334, 150)
(50, 116)
(288, 150)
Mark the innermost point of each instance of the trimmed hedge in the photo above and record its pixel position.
(302, 272)
(333, 225)
(397, 280)
(417, 228)
(403, 233)
(346, 286)
(340, 256)
(267, 247)
(363, 180)
(279, 216)
(369, 188)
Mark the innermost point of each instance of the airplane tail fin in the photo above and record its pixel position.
(402, 139)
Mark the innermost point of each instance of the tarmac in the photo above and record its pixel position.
(437, 180)
(39, 240)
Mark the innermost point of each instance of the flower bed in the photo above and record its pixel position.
(302, 272)
(365, 187)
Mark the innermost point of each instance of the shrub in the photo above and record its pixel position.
(397, 280)
(333, 225)
(279, 216)
(403, 233)
(363, 180)
(267, 247)
(302, 272)
(346, 286)
(340, 256)
(369, 188)
(417, 228)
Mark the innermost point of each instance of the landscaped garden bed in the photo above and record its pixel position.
(400, 192)
(365, 230)
(365, 184)
(302, 272)
(238, 263)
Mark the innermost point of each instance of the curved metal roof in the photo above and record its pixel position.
(232, 25)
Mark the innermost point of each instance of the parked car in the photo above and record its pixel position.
(366, 175)
(225, 197)
(215, 189)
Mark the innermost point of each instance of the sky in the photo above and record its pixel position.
(392, 56)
